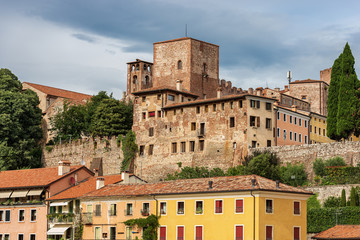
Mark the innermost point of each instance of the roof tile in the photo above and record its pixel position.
(340, 232)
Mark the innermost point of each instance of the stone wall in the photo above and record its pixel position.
(307, 153)
(331, 190)
(87, 150)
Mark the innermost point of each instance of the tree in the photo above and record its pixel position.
(293, 175)
(319, 167)
(111, 117)
(353, 197)
(264, 165)
(129, 148)
(342, 100)
(20, 119)
(343, 198)
(313, 202)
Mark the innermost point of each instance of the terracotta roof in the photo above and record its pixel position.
(198, 185)
(210, 100)
(37, 177)
(84, 187)
(60, 92)
(340, 232)
(163, 88)
(308, 81)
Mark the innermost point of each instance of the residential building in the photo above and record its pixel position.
(64, 215)
(318, 131)
(52, 101)
(292, 126)
(340, 232)
(23, 193)
(237, 207)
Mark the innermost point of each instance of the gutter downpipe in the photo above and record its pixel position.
(251, 193)
(156, 212)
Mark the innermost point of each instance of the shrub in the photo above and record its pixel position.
(313, 202)
(341, 175)
(293, 175)
(335, 161)
(332, 202)
(353, 197)
(319, 167)
(343, 198)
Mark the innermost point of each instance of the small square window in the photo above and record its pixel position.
(232, 122)
(218, 206)
(268, 106)
(174, 147)
(151, 149)
(193, 126)
(171, 97)
(297, 208)
(141, 150)
(183, 147)
(151, 132)
(32, 236)
(20, 236)
(163, 208)
(33, 215)
(21, 215)
(199, 207)
(192, 146)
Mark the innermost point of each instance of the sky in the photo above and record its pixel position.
(84, 45)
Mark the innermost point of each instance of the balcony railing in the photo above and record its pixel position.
(145, 212)
(87, 218)
(61, 218)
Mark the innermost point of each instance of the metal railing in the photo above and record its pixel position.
(87, 218)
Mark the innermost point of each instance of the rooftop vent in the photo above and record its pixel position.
(210, 184)
(100, 182)
(277, 184)
(253, 182)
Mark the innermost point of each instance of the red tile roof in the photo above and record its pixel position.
(79, 97)
(340, 232)
(37, 177)
(199, 185)
(84, 187)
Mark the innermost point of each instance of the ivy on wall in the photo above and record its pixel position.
(151, 223)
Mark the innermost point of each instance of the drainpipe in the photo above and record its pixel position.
(156, 212)
(251, 193)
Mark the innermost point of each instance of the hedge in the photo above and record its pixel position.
(341, 175)
(324, 218)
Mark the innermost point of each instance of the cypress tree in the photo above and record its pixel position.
(352, 197)
(343, 199)
(332, 102)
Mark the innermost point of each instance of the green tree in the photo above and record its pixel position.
(264, 165)
(353, 197)
(293, 175)
(319, 167)
(332, 202)
(335, 161)
(313, 202)
(343, 88)
(20, 120)
(111, 118)
(129, 148)
(343, 198)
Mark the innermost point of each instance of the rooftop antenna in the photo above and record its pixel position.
(267, 86)
(185, 30)
(289, 76)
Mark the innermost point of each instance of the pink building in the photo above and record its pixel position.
(23, 211)
(292, 126)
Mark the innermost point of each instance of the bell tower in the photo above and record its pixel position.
(139, 76)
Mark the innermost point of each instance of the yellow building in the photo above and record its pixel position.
(238, 207)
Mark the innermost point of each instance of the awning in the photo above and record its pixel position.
(5, 194)
(54, 204)
(35, 192)
(57, 230)
(19, 193)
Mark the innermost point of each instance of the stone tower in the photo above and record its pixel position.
(139, 76)
(195, 63)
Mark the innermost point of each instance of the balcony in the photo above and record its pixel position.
(61, 218)
(87, 218)
(145, 212)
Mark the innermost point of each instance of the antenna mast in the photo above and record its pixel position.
(289, 76)
(185, 30)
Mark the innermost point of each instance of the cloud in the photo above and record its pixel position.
(84, 37)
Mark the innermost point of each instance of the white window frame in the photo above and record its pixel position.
(299, 207)
(243, 205)
(202, 231)
(31, 210)
(165, 226)
(9, 216)
(177, 230)
(166, 210)
(177, 208)
(239, 225)
(202, 207)
(19, 215)
(299, 231)
(32, 234)
(222, 206)
(273, 208)
(22, 235)
(272, 231)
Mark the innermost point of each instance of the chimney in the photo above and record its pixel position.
(178, 85)
(64, 167)
(286, 87)
(219, 90)
(125, 176)
(251, 91)
(253, 182)
(277, 184)
(210, 184)
(124, 95)
(294, 108)
(100, 182)
(277, 89)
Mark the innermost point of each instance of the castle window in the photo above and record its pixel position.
(151, 149)
(141, 150)
(198, 109)
(214, 107)
(204, 67)
(137, 67)
(192, 146)
(183, 147)
(151, 132)
(152, 114)
(144, 67)
(147, 80)
(240, 104)
(179, 64)
(201, 145)
(135, 79)
(144, 115)
(159, 97)
(143, 99)
(232, 122)
(148, 68)
(206, 108)
(174, 147)
(231, 105)
(132, 68)
(268, 123)
(171, 97)
(193, 126)
(222, 106)
(159, 114)
(253, 144)
(268, 143)
(252, 121)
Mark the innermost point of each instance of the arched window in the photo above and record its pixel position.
(144, 67)
(146, 80)
(137, 67)
(135, 80)
(132, 68)
(179, 64)
(148, 68)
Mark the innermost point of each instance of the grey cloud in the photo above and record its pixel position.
(84, 37)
